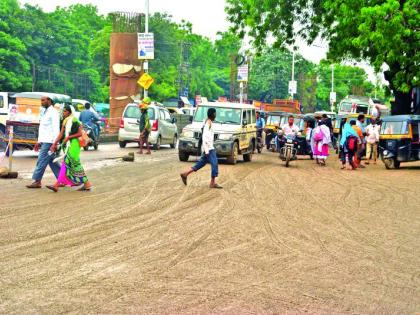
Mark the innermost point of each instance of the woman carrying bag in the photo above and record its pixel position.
(71, 172)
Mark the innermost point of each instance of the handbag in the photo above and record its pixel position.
(84, 139)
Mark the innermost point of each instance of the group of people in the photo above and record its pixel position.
(355, 138)
(63, 134)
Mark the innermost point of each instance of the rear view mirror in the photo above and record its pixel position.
(191, 119)
(174, 120)
(244, 122)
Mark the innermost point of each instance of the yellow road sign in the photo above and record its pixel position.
(145, 81)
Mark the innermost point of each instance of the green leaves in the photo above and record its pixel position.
(381, 32)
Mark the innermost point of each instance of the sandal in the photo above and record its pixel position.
(34, 185)
(184, 179)
(51, 187)
(83, 188)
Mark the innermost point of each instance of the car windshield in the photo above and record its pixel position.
(224, 115)
(394, 128)
(134, 112)
(273, 120)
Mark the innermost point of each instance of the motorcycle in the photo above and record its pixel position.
(93, 141)
(288, 148)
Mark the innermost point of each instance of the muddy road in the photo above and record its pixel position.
(275, 240)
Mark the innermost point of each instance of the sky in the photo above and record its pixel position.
(207, 17)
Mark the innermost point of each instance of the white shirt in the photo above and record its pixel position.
(49, 125)
(372, 133)
(290, 130)
(208, 137)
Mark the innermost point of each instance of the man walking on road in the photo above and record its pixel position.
(209, 153)
(145, 126)
(49, 128)
(372, 139)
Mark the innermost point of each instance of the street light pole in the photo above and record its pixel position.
(293, 70)
(146, 62)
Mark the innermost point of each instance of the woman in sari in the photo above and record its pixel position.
(71, 172)
(322, 139)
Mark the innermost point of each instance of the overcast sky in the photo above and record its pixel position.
(207, 16)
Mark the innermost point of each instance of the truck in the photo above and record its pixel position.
(279, 105)
(22, 112)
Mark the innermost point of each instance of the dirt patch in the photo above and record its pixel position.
(274, 240)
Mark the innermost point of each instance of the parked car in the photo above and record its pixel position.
(164, 130)
(234, 130)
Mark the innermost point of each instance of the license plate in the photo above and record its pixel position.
(289, 141)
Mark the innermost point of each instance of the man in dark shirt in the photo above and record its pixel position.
(145, 126)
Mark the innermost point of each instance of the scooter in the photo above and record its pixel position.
(93, 140)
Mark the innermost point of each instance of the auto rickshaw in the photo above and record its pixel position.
(273, 122)
(399, 140)
(347, 118)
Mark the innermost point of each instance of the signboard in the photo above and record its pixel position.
(242, 73)
(292, 87)
(333, 97)
(145, 81)
(146, 46)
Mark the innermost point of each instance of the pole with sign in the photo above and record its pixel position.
(242, 78)
(146, 49)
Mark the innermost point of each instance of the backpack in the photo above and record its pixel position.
(318, 136)
(351, 143)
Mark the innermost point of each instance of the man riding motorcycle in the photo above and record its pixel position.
(260, 124)
(289, 129)
(89, 118)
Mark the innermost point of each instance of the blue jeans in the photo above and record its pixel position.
(45, 159)
(208, 158)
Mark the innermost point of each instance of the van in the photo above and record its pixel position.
(164, 129)
(235, 132)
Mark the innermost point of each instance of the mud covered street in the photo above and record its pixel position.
(274, 240)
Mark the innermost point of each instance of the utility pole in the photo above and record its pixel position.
(146, 62)
(332, 94)
(293, 73)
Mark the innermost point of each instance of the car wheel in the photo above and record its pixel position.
(183, 156)
(95, 146)
(233, 158)
(391, 163)
(122, 144)
(86, 148)
(248, 156)
(3, 143)
(156, 146)
(173, 145)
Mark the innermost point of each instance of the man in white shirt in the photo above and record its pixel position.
(208, 152)
(372, 140)
(49, 128)
(290, 128)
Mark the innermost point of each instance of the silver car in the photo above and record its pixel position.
(164, 129)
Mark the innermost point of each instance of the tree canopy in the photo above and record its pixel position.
(381, 32)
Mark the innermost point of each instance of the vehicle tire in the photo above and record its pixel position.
(288, 157)
(259, 150)
(233, 158)
(173, 145)
(3, 143)
(86, 148)
(248, 156)
(122, 144)
(183, 156)
(391, 163)
(156, 146)
(95, 146)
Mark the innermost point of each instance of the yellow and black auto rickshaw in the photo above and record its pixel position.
(274, 120)
(399, 140)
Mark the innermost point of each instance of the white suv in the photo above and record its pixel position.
(164, 129)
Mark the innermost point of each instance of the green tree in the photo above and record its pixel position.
(384, 32)
(14, 69)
